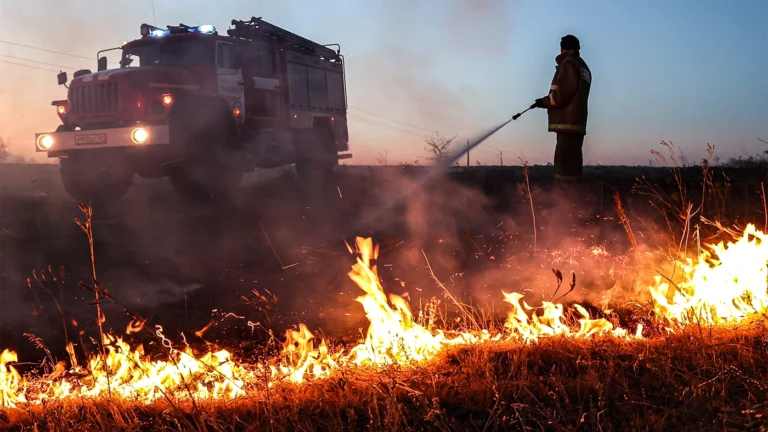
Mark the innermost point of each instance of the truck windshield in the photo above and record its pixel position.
(170, 53)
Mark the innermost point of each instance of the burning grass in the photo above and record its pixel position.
(693, 358)
(393, 338)
(699, 379)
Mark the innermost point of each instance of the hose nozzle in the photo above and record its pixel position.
(517, 116)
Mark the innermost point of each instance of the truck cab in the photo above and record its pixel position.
(201, 109)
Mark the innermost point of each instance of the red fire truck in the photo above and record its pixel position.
(202, 109)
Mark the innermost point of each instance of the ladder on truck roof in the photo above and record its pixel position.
(258, 29)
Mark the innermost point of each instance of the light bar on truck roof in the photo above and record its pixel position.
(149, 30)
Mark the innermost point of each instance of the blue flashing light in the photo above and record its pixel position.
(147, 30)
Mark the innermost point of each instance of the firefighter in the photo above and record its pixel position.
(566, 107)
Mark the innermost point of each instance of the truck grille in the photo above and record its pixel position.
(94, 98)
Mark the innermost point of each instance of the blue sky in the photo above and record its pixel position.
(691, 72)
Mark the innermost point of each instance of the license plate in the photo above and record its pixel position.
(91, 139)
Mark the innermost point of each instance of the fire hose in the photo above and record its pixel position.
(437, 171)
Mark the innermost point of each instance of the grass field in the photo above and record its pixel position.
(470, 235)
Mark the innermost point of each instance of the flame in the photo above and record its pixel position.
(725, 284)
(551, 321)
(135, 326)
(393, 336)
(129, 374)
(301, 358)
(11, 383)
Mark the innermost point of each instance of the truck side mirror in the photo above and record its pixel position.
(62, 78)
(102, 64)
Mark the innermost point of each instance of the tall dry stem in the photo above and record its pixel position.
(468, 317)
(87, 227)
(765, 208)
(625, 222)
(526, 170)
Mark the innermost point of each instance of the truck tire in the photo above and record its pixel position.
(91, 182)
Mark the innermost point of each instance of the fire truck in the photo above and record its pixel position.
(202, 109)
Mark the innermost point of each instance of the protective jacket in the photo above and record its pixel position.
(568, 96)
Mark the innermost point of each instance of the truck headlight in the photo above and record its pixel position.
(44, 142)
(139, 135)
(62, 109)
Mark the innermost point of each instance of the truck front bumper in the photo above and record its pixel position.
(55, 143)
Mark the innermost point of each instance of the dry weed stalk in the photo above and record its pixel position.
(469, 317)
(765, 207)
(679, 203)
(559, 276)
(527, 191)
(625, 222)
(40, 281)
(39, 344)
(87, 228)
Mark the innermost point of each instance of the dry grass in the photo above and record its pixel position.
(704, 379)
(701, 379)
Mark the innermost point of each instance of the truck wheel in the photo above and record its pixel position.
(88, 181)
(205, 181)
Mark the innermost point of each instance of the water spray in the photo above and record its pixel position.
(437, 171)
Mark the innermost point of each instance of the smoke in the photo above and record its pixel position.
(479, 243)
(481, 26)
(7, 155)
(419, 67)
(176, 263)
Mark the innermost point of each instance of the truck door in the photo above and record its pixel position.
(262, 101)
(230, 78)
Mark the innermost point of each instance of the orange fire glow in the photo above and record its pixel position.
(725, 284)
